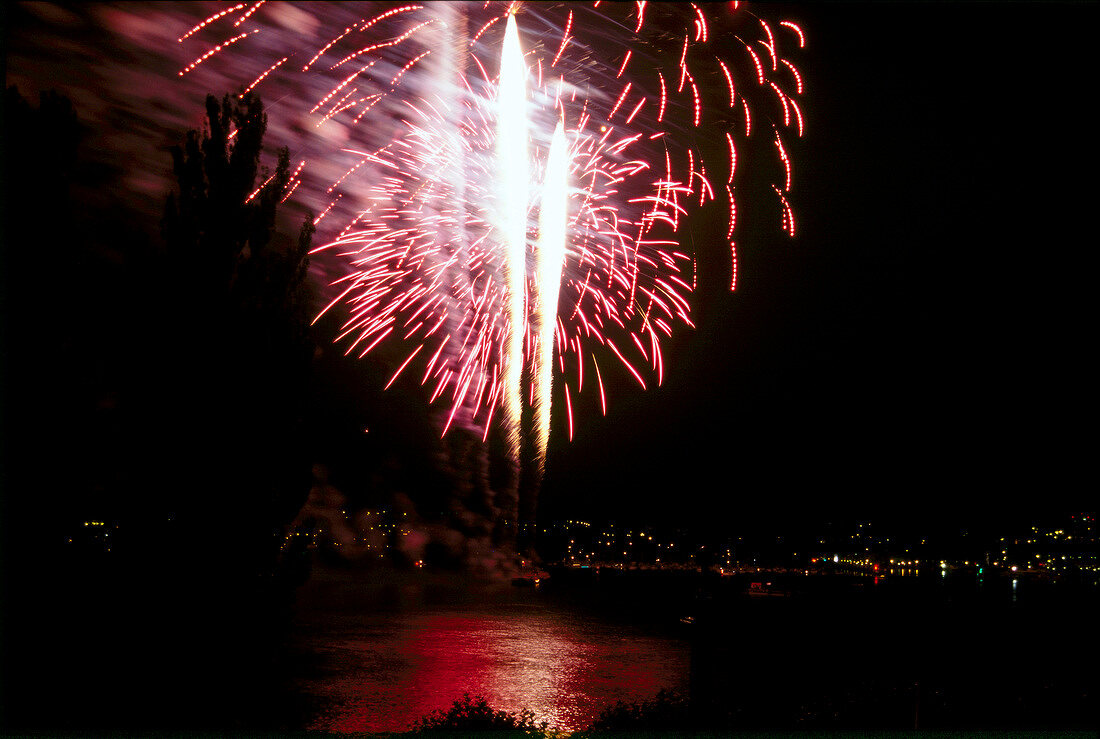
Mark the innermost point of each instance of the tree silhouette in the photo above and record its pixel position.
(219, 228)
(237, 346)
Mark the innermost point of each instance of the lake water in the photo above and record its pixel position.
(389, 652)
(387, 649)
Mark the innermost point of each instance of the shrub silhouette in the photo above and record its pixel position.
(474, 714)
(667, 711)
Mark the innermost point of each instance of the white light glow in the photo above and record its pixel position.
(513, 183)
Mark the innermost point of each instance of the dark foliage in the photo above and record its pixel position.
(475, 715)
(667, 711)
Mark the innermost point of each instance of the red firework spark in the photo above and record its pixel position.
(423, 266)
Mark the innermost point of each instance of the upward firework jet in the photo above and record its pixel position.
(550, 258)
(512, 179)
(512, 166)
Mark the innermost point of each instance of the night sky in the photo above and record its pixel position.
(917, 351)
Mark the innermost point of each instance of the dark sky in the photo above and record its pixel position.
(919, 350)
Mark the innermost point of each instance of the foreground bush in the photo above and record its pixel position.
(667, 711)
(476, 715)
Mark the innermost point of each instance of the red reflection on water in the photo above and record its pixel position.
(565, 676)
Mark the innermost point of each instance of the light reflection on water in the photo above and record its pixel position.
(385, 670)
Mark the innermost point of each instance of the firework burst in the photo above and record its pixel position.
(515, 177)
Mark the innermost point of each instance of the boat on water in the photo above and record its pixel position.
(765, 590)
(530, 577)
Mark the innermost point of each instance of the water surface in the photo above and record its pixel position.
(387, 653)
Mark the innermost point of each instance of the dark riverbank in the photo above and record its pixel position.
(928, 652)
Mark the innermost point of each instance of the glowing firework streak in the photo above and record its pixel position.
(512, 194)
(550, 259)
